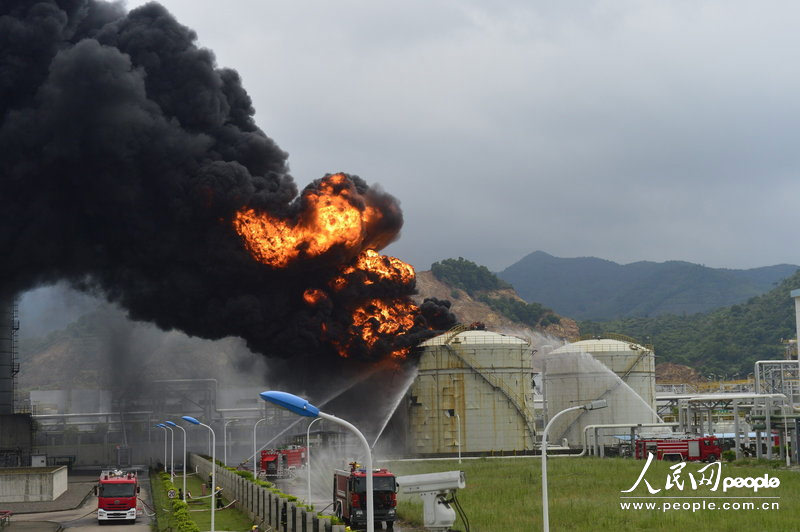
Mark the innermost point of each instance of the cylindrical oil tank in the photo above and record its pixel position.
(475, 388)
(617, 369)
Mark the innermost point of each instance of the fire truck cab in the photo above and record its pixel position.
(350, 496)
(273, 464)
(689, 448)
(116, 496)
(282, 463)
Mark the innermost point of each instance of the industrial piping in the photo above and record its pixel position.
(615, 426)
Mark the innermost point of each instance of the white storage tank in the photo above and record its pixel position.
(475, 384)
(617, 369)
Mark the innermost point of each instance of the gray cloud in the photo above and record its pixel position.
(626, 130)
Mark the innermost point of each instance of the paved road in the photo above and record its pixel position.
(84, 518)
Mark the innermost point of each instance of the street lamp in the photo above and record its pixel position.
(171, 451)
(194, 421)
(255, 461)
(225, 441)
(594, 405)
(452, 413)
(162, 426)
(302, 407)
(171, 424)
(308, 456)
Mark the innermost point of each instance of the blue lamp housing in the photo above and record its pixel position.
(290, 402)
(170, 423)
(190, 419)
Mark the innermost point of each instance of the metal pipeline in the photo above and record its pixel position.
(618, 426)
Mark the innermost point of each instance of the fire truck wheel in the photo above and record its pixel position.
(711, 458)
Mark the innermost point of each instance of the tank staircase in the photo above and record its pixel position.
(642, 353)
(495, 383)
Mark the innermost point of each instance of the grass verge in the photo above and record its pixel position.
(229, 519)
(585, 494)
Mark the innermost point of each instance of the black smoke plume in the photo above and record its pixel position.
(124, 155)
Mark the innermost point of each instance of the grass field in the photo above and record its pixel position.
(504, 495)
(230, 519)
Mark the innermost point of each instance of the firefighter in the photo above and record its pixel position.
(219, 497)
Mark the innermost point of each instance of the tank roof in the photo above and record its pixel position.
(599, 345)
(476, 337)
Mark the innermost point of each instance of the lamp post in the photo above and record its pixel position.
(255, 460)
(194, 421)
(600, 403)
(162, 426)
(171, 451)
(302, 407)
(171, 424)
(308, 457)
(452, 413)
(225, 441)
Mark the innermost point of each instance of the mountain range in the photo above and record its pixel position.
(726, 341)
(589, 288)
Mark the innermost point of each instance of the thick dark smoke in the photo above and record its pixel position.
(124, 154)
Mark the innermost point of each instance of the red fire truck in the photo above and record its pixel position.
(116, 496)
(680, 448)
(281, 463)
(350, 496)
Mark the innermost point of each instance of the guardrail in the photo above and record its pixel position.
(273, 510)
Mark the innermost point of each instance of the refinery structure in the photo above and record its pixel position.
(473, 392)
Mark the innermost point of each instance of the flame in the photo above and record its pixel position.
(376, 266)
(332, 215)
(312, 296)
(335, 214)
(379, 318)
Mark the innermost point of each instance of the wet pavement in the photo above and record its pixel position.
(75, 510)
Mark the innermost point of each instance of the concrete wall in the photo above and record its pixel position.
(34, 484)
(260, 504)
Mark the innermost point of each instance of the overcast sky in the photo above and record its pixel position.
(623, 130)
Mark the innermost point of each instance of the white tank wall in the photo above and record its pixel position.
(633, 363)
(622, 373)
(486, 378)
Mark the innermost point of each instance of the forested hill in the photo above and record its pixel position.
(726, 341)
(484, 286)
(598, 289)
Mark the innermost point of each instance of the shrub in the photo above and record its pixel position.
(245, 474)
(333, 519)
(729, 455)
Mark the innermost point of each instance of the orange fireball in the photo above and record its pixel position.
(377, 266)
(379, 318)
(332, 215)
